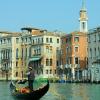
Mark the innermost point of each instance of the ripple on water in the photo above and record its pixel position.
(60, 91)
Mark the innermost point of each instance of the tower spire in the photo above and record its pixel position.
(83, 5)
(83, 18)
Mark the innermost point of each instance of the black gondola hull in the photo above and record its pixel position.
(35, 95)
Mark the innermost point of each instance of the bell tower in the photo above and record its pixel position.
(83, 18)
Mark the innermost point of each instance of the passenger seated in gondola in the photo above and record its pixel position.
(31, 77)
(21, 81)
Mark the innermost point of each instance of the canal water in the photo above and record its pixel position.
(60, 91)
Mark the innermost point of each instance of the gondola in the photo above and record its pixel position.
(34, 95)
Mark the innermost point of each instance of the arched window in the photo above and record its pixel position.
(47, 62)
(83, 24)
(50, 62)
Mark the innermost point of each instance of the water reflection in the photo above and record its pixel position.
(73, 92)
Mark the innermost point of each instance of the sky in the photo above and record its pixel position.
(61, 15)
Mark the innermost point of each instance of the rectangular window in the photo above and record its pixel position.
(76, 60)
(38, 40)
(42, 40)
(50, 71)
(16, 63)
(98, 51)
(70, 60)
(47, 62)
(50, 62)
(26, 39)
(4, 41)
(95, 51)
(95, 38)
(33, 41)
(57, 63)
(22, 39)
(29, 39)
(76, 39)
(83, 25)
(89, 40)
(16, 74)
(46, 71)
(1, 41)
(67, 60)
(99, 36)
(9, 40)
(47, 40)
(50, 40)
(55, 71)
(17, 40)
(47, 49)
(90, 52)
(57, 40)
(50, 49)
(39, 50)
(22, 52)
(26, 52)
(67, 49)
(76, 49)
(66, 40)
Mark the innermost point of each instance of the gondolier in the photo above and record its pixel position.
(27, 95)
(31, 77)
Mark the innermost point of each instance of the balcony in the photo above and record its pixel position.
(72, 65)
(68, 66)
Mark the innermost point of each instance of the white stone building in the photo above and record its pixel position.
(32, 47)
(45, 47)
(9, 44)
(94, 54)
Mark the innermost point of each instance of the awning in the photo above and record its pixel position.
(35, 58)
